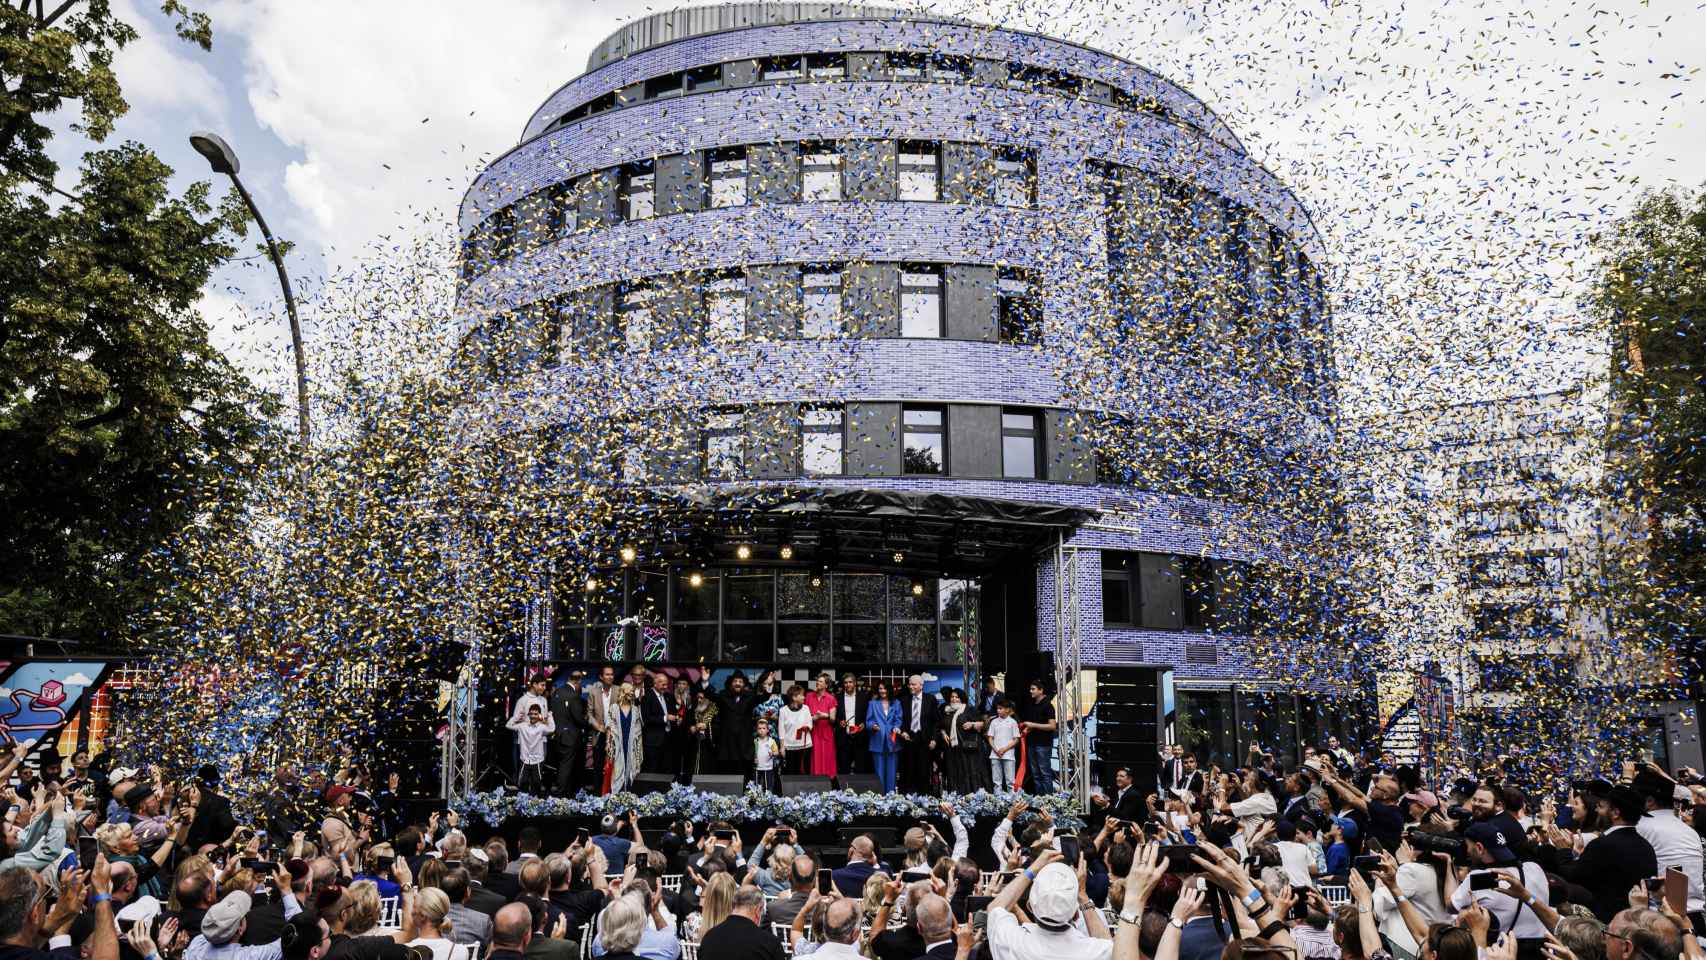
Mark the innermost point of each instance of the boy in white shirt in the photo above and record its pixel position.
(1003, 737)
(766, 752)
(530, 736)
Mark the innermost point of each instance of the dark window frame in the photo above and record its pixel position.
(832, 148)
(1033, 433)
(941, 291)
(837, 430)
(940, 431)
(727, 155)
(716, 429)
(628, 189)
(1018, 312)
(918, 148)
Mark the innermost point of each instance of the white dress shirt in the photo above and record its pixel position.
(850, 709)
(1675, 844)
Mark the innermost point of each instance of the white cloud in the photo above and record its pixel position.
(308, 188)
(160, 71)
(78, 679)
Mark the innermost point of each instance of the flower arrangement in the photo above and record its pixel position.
(806, 810)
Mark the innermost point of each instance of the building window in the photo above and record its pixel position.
(822, 442)
(950, 68)
(561, 216)
(821, 317)
(907, 66)
(920, 170)
(725, 306)
(637, 192)
(920, 301)
(703, 78)
(1021, 446)
(1119, 589)
(1019, 315)
(668, 85)
(725, 446)
(1015, 177)
(924, 445)
(634, 310)
(781, 68)
(820, 171)
(1196, 576)
(727, 182)
(826, 66)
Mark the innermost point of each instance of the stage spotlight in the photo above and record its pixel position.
(917, 589)
(591, 584)
(743, 552)
(786, 553)
(817, 582)
(628, 554)
(695, 579)
(899, 557)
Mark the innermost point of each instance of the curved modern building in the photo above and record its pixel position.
(964, 272)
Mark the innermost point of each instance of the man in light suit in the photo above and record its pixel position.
(467, 925)
(597, 702)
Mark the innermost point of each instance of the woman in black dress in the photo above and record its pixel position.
(963, 768)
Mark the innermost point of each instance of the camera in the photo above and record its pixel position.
(1458, 811)
(1450, 844)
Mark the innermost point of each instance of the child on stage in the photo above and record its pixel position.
(766, 754)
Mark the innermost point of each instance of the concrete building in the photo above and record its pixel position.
(891, 231)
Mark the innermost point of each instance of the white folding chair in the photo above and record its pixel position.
(390, 911)
(671, 882)
(689, 950)
(987, 877)
(1336, 894)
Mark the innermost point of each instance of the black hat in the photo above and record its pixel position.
(1494, 839)
(1598, 786)
(1650, 784)
(1629, 802)
(207, 775)
(135, 795)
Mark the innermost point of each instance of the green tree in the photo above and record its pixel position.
(119, 423)
(1651, 296)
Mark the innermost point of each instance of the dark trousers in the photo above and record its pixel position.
(915, 764)
(659, 758)
(531, 780)
(852, 753)
(798, 762)
(571, 766)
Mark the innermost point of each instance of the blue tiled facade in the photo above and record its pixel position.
(1062, 237)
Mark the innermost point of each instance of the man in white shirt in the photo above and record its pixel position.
(532, 696)
(1055, 902)
(1489, 850)
(1295, 858)
(1675, 844)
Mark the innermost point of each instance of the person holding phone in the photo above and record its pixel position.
(1489, 852)
(803, 878)
(1618, 858)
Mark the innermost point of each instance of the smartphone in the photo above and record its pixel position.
(1006, 876)
(1486, 880)
(1676, 890)
(582, 836)
(824, 882)
(1069, 851)
(1367, 864)
(382, 865)
(727, 836)
(1300, 903)
(87, 850)
(979, 919)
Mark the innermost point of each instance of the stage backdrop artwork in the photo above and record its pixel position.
(39, 699)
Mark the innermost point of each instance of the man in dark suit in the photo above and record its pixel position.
(861, 863)
(739, 937)
(920, 722)
(990, 696)
(481, 899)
(1171, 770)
(1125, 802)
(935, 924)
(213, 822)
(1193, 781)
(568, 710)
(851, 749)
(658, 719)
(1617, 859)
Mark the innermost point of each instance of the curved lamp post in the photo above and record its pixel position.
(223, 159)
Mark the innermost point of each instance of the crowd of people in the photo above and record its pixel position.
(600, 735)
(1330, 858)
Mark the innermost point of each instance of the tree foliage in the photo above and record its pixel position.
(1651, 295)
(119, 422)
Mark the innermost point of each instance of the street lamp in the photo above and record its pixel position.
(223, 159)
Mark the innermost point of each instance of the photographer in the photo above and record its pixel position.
(1515, 906)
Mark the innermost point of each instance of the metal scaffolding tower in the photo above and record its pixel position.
(1073, 741)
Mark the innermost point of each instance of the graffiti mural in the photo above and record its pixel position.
(39, 698)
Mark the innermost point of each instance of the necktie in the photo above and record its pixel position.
(917, 709)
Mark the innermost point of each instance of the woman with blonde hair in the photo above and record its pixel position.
(356, 913)
(432, 922)
(714, 906)
(624, 751)
(873, 897)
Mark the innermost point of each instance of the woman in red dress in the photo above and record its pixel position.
(821, 703)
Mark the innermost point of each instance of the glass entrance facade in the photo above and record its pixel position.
(766, 615)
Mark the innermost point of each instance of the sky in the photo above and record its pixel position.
(1458, 156)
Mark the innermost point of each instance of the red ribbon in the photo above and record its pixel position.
(1019, 777)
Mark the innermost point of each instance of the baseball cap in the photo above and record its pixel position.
(1054, 895)
(223, 920)
(337, 790)
(1348, 825)
(137, 794)
(1493, 839)
(123, 773)
(1424, 797)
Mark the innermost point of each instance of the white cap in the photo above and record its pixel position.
(122, 773)
(1054, 895)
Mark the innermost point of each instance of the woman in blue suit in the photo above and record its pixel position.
(882, 718)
